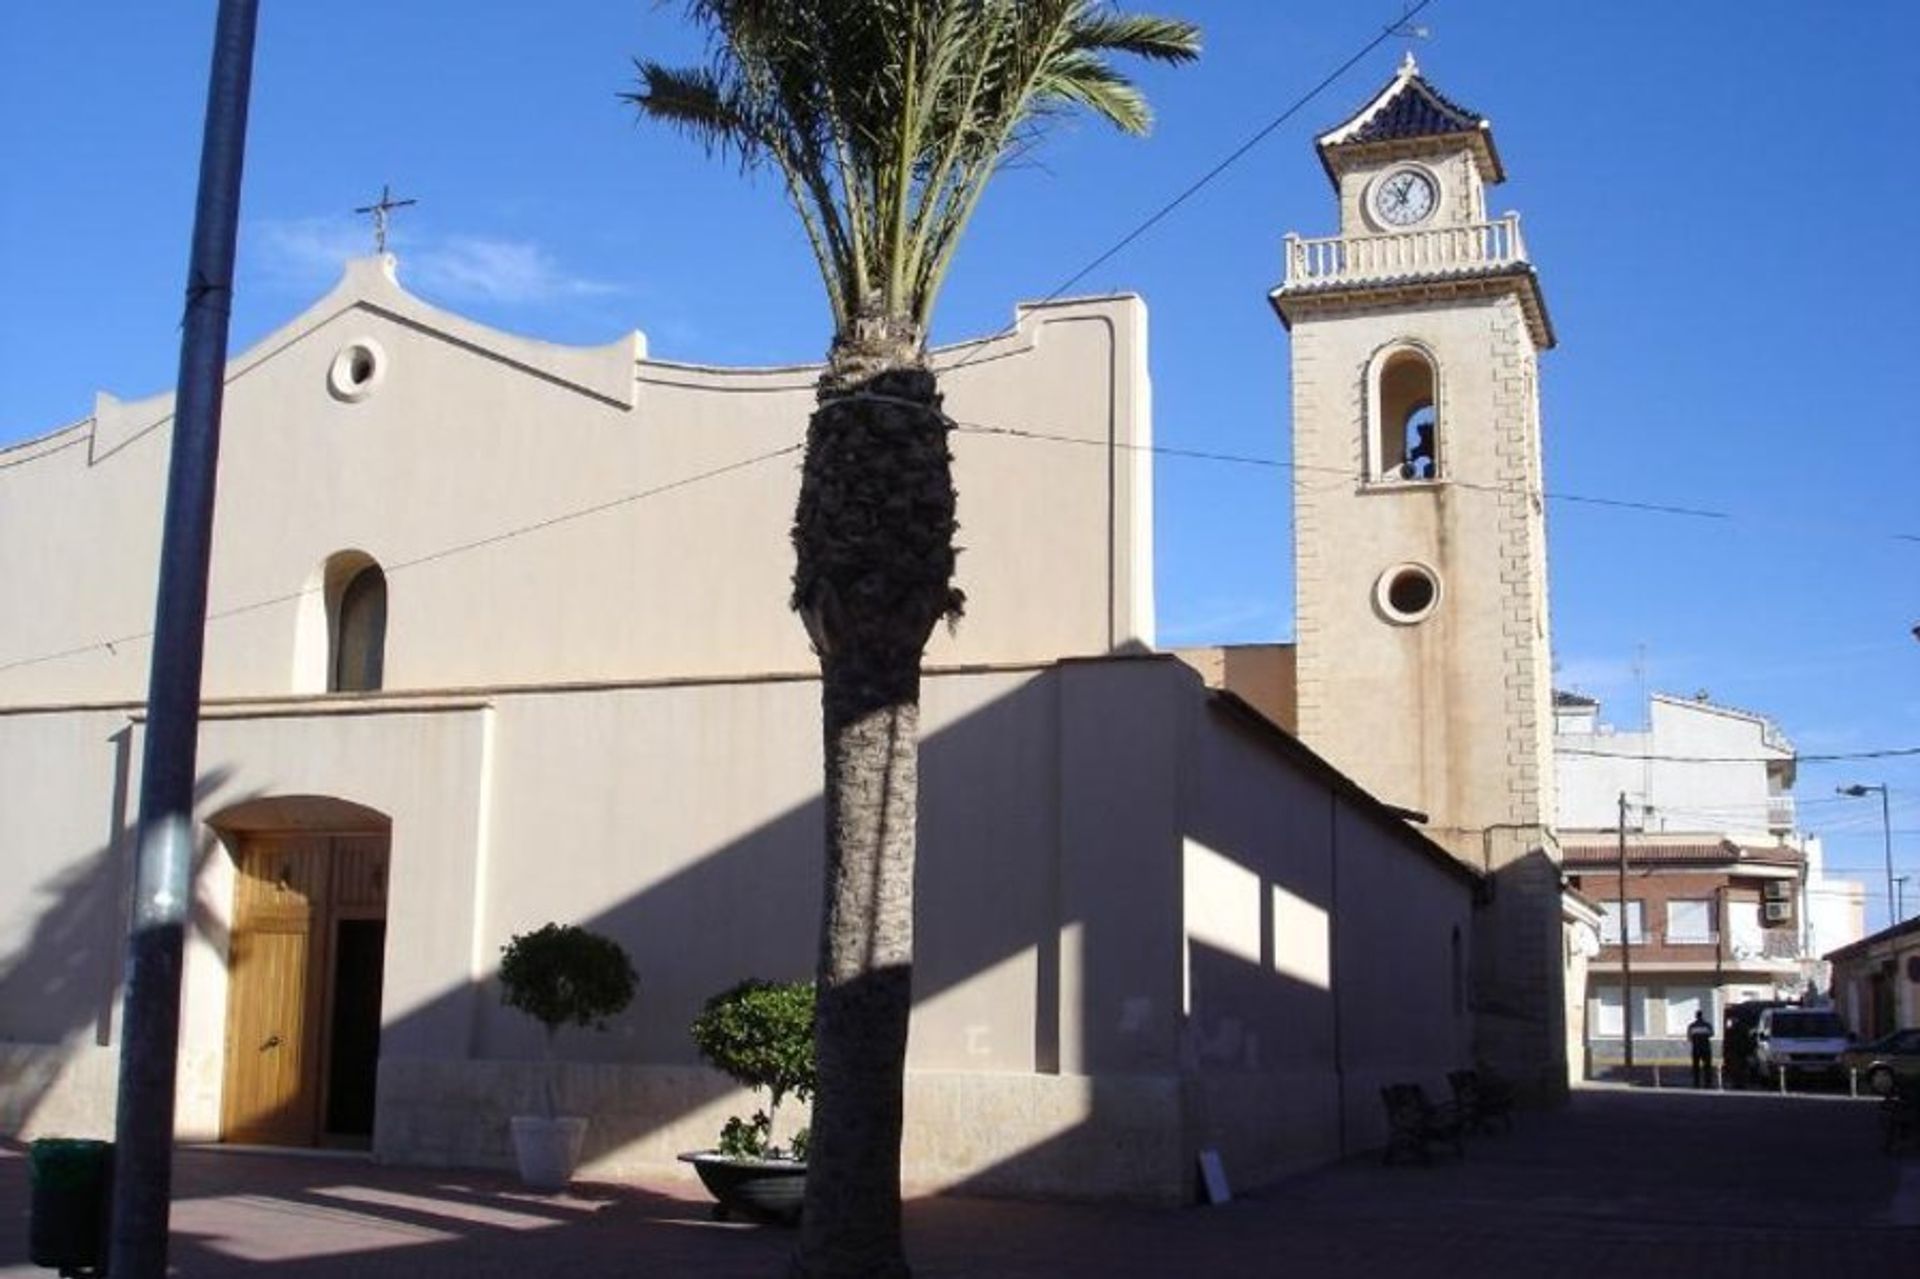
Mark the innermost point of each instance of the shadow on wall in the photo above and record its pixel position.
(1051, 949)
(1050, 883)
(1519, 953)
(62, 988)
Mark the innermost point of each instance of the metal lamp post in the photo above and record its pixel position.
(150, 1031)
(1860, 790)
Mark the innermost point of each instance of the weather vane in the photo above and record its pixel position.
(380, 210)
(1409, 30)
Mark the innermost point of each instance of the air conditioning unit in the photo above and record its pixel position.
(1779, 912)
(1777, 890)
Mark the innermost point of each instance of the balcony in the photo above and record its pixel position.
(1478, 248)
(1780, 814)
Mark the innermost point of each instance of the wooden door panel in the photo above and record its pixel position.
(292, 895)
(281, 881)
(269, 1098)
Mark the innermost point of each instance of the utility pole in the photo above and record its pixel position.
(150, 1024)
(1899, 897)
(1626, 944)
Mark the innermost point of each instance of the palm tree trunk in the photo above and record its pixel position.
(874, 570)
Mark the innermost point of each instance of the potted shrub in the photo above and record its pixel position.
(759, 1033)
(559, 975)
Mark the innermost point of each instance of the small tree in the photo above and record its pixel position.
(563, 975)
(760, 1033)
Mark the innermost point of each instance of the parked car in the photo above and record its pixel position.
(1799, 1041)
(1885, 1060)
(1736, 1039)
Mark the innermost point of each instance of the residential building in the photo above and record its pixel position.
(1876, 980)
(1686, 833)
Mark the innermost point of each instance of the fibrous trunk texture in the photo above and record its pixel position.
(874, 571)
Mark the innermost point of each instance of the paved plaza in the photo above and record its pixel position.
(1618, 1183)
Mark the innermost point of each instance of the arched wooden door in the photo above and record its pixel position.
(303, 993)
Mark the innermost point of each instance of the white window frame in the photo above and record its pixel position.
(1606, 1012)
(1636, 922)
(1679, 934)
(1692, 998)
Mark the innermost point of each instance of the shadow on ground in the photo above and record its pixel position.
(1615, 1183)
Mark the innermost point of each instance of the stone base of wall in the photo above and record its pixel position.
(71, 1090)
(52, 1089)
(1055, 1136)
(1050, 1135)
(1266, 1124)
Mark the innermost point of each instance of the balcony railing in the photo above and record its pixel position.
(1443, 251)
(1611, 938)
(1780, 812)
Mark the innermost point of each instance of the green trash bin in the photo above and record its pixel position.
(72, 1181)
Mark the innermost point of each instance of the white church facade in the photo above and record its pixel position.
(498, 635)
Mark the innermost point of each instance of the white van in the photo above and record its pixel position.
(1799, 1041)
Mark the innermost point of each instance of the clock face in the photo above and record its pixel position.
(1403, 197)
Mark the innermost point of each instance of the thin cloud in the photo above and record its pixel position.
(308, 254)
(472, 268)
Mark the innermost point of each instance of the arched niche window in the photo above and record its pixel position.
(356, 625)
(1403, 428)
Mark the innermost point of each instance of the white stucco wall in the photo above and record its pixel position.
(1661, 768)
(611, 719)
(1086, 979)
(541, 513)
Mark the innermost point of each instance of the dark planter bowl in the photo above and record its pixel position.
(768, 1190)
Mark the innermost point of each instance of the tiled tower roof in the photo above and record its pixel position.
(1409, 108)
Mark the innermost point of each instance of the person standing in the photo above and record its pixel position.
(1700, 1039)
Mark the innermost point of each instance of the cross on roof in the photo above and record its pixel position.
(384, 206)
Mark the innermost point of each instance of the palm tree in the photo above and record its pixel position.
(884, 119)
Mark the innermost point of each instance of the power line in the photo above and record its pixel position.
(430, 557)
(1232, 157)
(1284, 464)
(1893, 752)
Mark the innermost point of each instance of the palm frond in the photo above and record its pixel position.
(1081, 79)
(1143, 35)
(696, 101)
(888, 118)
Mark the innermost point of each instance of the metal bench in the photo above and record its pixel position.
(1416, 1124)
(1482, 1100)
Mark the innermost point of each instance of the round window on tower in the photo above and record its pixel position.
(1407, 593)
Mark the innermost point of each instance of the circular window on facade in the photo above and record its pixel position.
(357, 370)
(1407, 593)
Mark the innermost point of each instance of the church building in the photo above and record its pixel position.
(498, 635)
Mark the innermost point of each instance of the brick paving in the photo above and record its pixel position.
(1627, 1185)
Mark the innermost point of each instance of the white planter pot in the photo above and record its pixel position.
(547, 1149)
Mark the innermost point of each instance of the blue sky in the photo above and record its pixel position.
(1722, 199)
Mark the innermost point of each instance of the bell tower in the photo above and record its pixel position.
(1421, 656)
